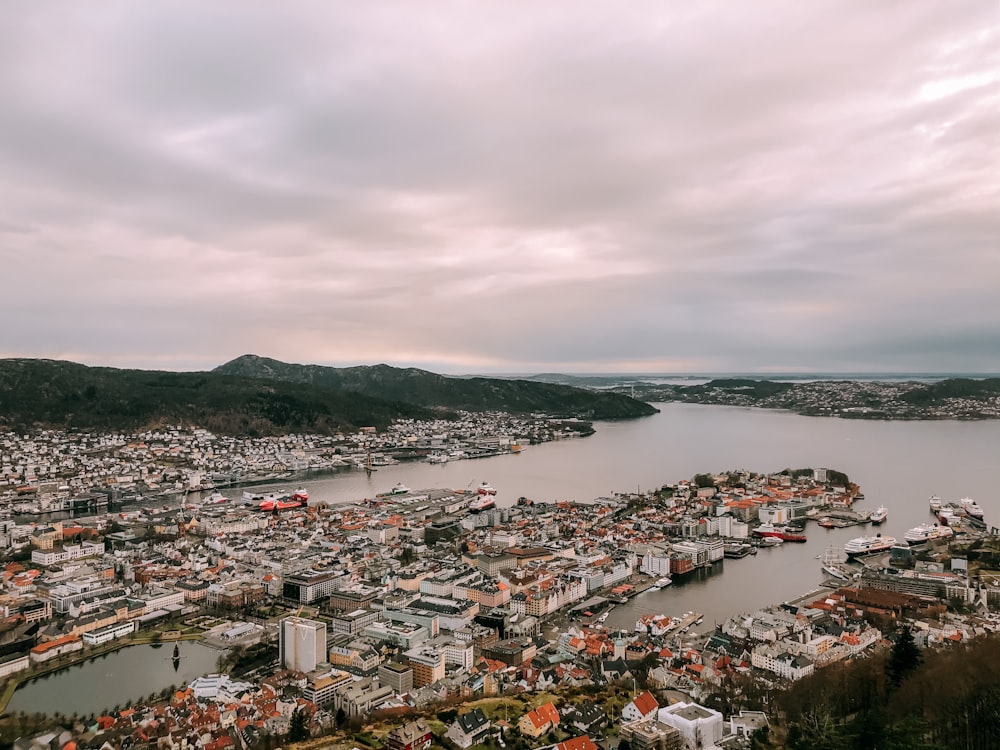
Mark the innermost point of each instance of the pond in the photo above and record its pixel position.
(114, 679)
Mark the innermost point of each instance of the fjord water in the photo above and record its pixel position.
(899, 464)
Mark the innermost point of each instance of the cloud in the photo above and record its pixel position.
(481, 186)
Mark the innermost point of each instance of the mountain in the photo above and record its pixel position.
(48, 393)
(429, 389)
(258, 396)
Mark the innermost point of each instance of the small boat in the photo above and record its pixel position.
(301, 494)
(879, 515)
(437, 458)
(216, 498)
(486, 489)
(399, 489)
(663, 582)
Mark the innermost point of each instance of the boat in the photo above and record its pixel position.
(879, 515)
(784, 533)
(927, 532)
(971, 507)
(486, 489)
(833, 564)
(301, 494)
(399, 489)
(771, 541)
(216, 498)
(935, 503)
(481, 503)
(946, 513)
(663, 582)
(437, 458)
(868, 545)
(278, 501)
(250, 497)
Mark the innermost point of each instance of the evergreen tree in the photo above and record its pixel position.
(904, 658)
(297, 728)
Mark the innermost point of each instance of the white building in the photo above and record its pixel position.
(301, 643)
(700, 727)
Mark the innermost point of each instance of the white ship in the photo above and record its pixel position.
(867, 545)
(879, 515)
(833, 564)
(971, 507)
(927, 532)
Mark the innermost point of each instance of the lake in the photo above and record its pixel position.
(114, 679)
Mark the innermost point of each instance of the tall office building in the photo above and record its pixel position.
(301, 643)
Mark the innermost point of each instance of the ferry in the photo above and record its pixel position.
(927, 532)
(935, 503)
(486, 489)
(784, 533)
(302, 494)
(216, 498)
(879, 515)
(276, 501)
(971, 507)
(867, 545)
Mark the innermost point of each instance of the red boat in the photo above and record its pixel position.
(486, 489)
(275, 501)
(783, 533)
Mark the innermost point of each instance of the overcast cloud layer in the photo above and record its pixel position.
(473, 186)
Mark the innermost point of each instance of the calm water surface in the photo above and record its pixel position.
(899, 464)
(114, 679)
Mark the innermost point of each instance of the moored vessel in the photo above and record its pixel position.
(927, 532)
(867, 545)
(784, 533)
(879, 515)
(971, 507)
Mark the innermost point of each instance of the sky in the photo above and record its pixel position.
(578, 186)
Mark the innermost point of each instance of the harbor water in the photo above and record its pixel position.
(898, 464)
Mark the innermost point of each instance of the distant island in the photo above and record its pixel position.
(257, 396)
(950, 398)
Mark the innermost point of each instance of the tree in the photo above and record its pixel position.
(298, 729)
(904, 658)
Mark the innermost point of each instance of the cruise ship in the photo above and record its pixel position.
(927, 532)
(971, 507)
(867, 545)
